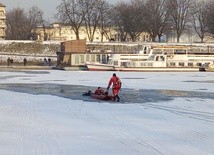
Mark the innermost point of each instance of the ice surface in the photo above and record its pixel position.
(43, 112)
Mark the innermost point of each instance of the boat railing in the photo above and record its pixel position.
(201, 56)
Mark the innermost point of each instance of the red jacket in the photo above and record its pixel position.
(116, 83)
(99, 91)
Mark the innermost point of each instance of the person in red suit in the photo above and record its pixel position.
(116, 86)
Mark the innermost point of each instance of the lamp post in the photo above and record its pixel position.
(172, 34)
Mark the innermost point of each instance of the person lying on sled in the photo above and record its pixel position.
(99, 91)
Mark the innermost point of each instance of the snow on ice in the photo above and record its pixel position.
(43, 112)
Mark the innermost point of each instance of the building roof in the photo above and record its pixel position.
(1, 5)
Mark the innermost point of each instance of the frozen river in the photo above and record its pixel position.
(44, 112)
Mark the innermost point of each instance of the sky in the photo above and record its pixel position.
(34, 121)
(48, 7)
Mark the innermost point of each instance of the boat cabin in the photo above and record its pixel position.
(154, 60)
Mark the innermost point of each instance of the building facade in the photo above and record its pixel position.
(61, 32)
(2, 21)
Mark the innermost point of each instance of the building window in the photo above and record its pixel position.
(1, 13)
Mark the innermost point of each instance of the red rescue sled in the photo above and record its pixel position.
(102, 97)
(105, 96)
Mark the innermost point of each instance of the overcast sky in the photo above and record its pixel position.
(47, 6)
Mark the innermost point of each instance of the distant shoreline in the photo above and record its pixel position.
(38, 67)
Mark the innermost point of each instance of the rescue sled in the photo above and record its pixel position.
(102, 97)
(105, 97)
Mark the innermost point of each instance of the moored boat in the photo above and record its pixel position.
(156, 62)
(169, 58)
(140, 55)
(96, 66)
(158, 69)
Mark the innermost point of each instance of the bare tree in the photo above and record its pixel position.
(128, 20)
(105, 23)
(180, 15)
(71, 12)
(116, 18)
(16, 23)
(35, 17)
(45, 24)
(210, 16)
(92, 16)
(199, 18)
(20, 23)
(157, 17)
(135, 21)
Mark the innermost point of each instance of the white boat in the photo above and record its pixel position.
(96, 66)
(141, 55)
(168, 58)
(156, 62)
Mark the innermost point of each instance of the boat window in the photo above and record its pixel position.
(104, 59)
(190, 64)
(92, 58)
(76, 58)
(157, 51)
(181, 64)
(157, 58)
(82, 60)
(110, 62)
(87, 57)
(150, 64)
(133, 65)
(172, 63)
(145, 50)
(116, 63)
(142, 64)
(123, 64)
(199, 64)
(206, 64)
(180, 51)
(162, 58)
(98, 58)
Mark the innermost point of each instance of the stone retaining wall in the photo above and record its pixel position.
(34, 52)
